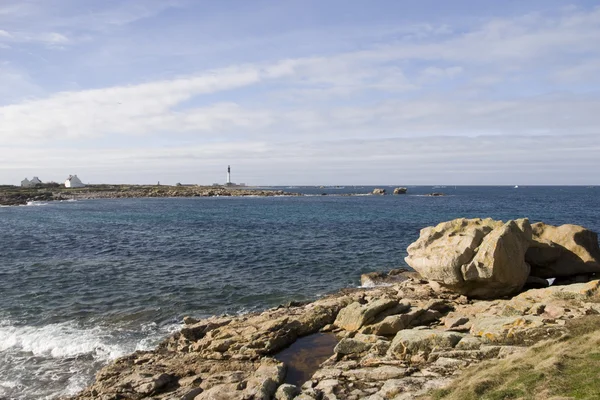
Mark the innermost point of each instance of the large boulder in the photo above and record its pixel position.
(479, 258)
(559, 251)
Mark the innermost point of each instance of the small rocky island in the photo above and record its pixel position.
(476, 319)
(14, 195)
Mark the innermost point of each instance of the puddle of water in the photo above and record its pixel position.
(305, 355)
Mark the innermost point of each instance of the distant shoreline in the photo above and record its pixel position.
(15, 196)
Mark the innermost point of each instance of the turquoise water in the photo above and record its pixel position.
(84, 282)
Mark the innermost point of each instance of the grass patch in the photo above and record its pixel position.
(567, 367)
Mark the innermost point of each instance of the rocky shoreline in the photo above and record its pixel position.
(11, 196)
(410, 337)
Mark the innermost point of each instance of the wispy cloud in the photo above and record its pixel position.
(421, 160)
(48, 38)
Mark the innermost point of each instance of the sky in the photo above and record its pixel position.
(301, 92)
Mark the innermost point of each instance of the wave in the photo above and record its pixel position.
(62, 358)
(35, 203)
(59, 341)
(68, 340)
(370, 285)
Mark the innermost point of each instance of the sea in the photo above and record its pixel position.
(84, 282)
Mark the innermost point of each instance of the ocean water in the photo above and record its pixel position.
(84, 282)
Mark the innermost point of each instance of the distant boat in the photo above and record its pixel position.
(516, 186)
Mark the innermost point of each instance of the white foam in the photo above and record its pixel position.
(36, 203)
(371, 284)
(59, 368)
(75, 384)
(150, 342)
(8, 384)
(58, 340)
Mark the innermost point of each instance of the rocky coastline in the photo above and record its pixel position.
(408, 334)
(12, 195)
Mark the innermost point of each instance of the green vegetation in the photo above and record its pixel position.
(568, 367)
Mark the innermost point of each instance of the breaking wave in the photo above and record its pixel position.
(35, 361)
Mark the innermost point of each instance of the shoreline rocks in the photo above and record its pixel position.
(397, 341)
(439, 334)
(21, 196)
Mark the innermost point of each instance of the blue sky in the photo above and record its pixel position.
(301, 92)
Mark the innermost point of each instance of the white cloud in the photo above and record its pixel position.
(138, 109)
(439, 102)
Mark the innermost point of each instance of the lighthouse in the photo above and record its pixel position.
(228, 175)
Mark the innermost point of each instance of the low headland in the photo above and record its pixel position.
(44, 192)
(15, 195)
(477, 318)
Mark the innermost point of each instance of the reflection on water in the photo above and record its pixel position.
(305, 355)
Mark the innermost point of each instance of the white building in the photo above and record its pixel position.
(29, 183)
(73, 182)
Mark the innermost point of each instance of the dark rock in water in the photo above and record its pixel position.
(383, 278)
(435, 194)
(295, 303)
(190, 320)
